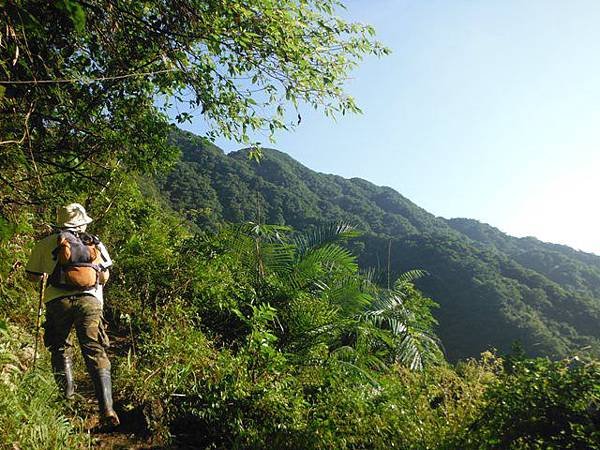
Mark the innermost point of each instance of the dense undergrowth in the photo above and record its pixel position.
(32, 415)
(260, 337)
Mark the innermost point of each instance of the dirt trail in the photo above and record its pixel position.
(132, 433)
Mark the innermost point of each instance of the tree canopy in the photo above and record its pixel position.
(81, 81)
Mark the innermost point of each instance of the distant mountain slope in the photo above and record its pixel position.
(577, 270)
(492, 288)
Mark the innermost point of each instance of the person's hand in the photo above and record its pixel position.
(33, 276)
(103, 276)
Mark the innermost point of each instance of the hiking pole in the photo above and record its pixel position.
(39, 316)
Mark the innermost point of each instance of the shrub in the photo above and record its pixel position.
(541, 404)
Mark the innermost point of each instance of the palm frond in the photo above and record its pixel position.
(262, 247)
(314, 266)
(308, 328)
(408, 277)
(276, 258)
(388, 310)
(323, 234)
(408, 353)
(418, 348)
(348, 292)
(415, 346)
(264, 232)
(331, 256)
(371, 276)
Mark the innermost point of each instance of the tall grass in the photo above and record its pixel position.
(31, 414)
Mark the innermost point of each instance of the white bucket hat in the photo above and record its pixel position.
(71, 216)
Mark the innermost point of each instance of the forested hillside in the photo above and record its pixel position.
(492, 289)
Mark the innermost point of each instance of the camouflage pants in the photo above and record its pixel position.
(85, 312)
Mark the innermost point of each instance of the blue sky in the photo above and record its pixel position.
(485, 109)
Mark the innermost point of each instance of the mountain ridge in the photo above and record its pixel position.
(492, 288)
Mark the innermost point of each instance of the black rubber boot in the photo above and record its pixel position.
(62, 366)
(103, 387)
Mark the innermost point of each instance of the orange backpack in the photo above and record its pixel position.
(78, 260)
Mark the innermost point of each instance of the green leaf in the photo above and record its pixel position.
(75, 12)
(3, 326)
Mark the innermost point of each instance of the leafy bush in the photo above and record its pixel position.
(541, 404)
(214, 397)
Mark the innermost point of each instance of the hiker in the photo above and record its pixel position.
(76, 264)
